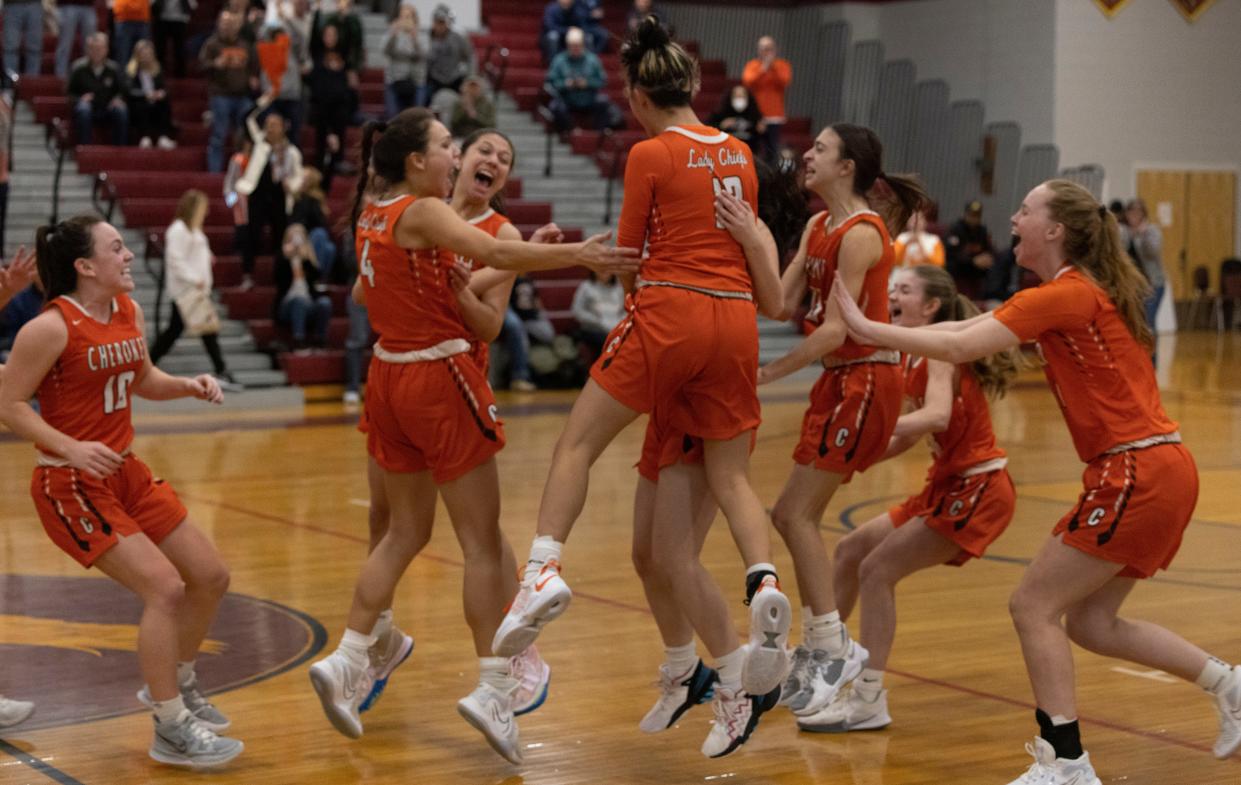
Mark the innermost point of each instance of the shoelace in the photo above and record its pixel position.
(1037, 773)
(200, 733)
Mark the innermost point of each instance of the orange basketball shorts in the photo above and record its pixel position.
(853, 411)
(970, 511)
(692, 356)
(85, 517)
(1134, 508)
(438, 416)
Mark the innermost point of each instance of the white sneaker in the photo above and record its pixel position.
(678, 693)
(164, 143)
(187, 742)
(1228, 703)
(538, 601)
(1050, 770)
(767, 656)
(736, 717)
(203, 710)
(14, 712)
(533, 676)
(144, 143)
(352, 398)
(385, 657)
(490, 710)
(828, 675)
(849, 712)
(342, 686)
(796, 688)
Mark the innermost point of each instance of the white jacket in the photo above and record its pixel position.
(187, 260)
(258, 161)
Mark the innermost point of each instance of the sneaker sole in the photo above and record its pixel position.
(1225, 752)
(480, 725)
(871, 724)
(547, 683)
(381, 683)
(513, 638)
(768, 661)
(215, 727)
(341, 721)
(184, 762)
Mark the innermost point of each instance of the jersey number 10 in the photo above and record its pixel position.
(116, 392)
(730, 184)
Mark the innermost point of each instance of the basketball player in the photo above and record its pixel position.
(1140, 483)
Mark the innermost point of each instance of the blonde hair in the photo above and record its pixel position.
(995, 372)
(1092, 243)
(131, 68)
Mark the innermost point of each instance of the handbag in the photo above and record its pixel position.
(198, 312)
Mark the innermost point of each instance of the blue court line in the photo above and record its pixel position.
(46, 769)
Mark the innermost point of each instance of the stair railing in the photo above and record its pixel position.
(155, 251)
(56, 139)
(103, 188)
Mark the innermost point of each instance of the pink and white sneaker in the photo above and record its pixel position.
(533, 676)
(538, 601)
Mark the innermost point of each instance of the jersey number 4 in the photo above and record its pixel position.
(730, 184)
(365, 267)
(116, 392)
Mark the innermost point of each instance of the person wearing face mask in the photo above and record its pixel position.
(738, 115)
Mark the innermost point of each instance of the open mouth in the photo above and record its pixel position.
(483, 178)
(1016, 239)
(894, 312)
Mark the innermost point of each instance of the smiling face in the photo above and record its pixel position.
(1036, 237)
(824, 166)
(908, 304)
(485, 167)
(110, 266)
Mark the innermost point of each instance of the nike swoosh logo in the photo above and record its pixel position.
(538, 585)
(501, 719)
(348, 691)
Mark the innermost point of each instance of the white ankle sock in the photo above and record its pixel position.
(681, 659)
(824, 633)
(1215, 676)
(185, 673)
(383, 625)
(542, 549)
(729, 668)
(169, 710)
(494, 671)
(354, 645)
(761, 567)
(869, 683)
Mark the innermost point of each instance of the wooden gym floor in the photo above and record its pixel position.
(283, 494)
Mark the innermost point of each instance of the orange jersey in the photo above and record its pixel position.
(822, 252)
(913, 248)
(408, 298)
(968, 441)
(670, 185)
(1102, 377)
(490, 222)
(85, 395)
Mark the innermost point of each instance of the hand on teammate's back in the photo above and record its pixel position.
(609, 259)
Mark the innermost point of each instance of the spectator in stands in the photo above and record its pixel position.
(310, 211)
(592, 25)
(575, 82)
(239, 204)
(77, 17)
(970, 253)
(1003, 280)
(768, 77)
(598, 306)
(1117, 208)
(559, 16)
(21, 299)
(640, 10)
(302, 304)
(7, 89)
(280, 62)
(1144, 241)
(149, 109)
(475, 110)
(917, 246)
(525, 321)
(232, 68)
(349, 37)
(298, 19)
(333, 101)
(132, 24)
(272, 177)
(171, 25)
(251, 16)
(738, 115)
(23, 23)
(188, 282)
(405, 62)
(97, 93)
(450, 56)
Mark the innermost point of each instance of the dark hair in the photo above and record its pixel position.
(659, 66)
(862, 146)
(994, 372)
(385, 146)
(781, 205)
(497, 201)
(58, 246)
(1092, 242)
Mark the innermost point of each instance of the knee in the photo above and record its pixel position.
(784, 519)
(213, 581)
(1026, 609)
(849, 553)
(643, 561)
(409, 538)
(1089, 629)
(874, 571)
(167, 591)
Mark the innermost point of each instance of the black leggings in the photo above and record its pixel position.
(173, 331)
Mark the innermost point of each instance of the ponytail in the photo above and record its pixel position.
(369, 132)
(57, 249)
(659, 66)
(995, 372)
(1092, 243)
(862, 146)
(910, 197)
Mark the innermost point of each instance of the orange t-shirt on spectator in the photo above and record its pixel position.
(768, 86)
(132, 11)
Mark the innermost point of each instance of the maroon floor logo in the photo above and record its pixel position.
(70, 644)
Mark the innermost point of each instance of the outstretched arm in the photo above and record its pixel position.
(155, 385)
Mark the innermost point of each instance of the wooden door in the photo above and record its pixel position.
(1197, 212)
(1164, 192)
